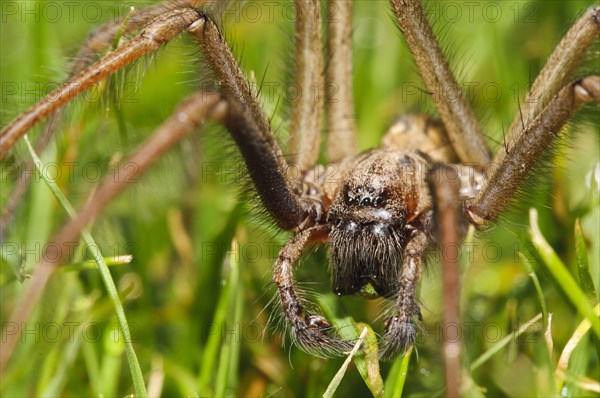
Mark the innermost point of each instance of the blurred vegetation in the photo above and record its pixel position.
(198, 293)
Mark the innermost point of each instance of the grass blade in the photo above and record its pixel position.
(335, 382)
(536, 283)
(91, 264)
(394, 385)
(371, 375)
(583, 267)
(584, 383)
(562, 275)
(221, 354)
(503, 343)
(580, 332)
(230, 348)
(134, 366)
(367, 364)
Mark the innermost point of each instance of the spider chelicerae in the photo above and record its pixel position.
(381, 211)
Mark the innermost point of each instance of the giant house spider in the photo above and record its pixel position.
(381, 212)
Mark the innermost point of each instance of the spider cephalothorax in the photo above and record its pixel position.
(381, 204)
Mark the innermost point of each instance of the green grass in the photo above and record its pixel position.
(197, 294)
(92, 246)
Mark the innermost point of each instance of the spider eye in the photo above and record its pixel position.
(377, 201)
(364, 196)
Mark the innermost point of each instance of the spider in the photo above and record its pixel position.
(381, 211)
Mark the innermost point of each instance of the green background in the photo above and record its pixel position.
(179, 220)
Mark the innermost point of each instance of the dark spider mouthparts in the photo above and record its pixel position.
(385, 208)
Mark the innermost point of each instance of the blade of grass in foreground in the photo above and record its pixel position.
(576, 338)
(394, 384)
(220, 357)
(134, 366)
(335, 382)
(367, 362)
(536, 284)
(109, 261)
(503, 343)
(370, 361)
(561, 274)
(230, 349)
(585, 279)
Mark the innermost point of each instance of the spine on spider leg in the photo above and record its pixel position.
(463, 130)
(159, 32)
(307, 109)
(512, 166)
(251, 131)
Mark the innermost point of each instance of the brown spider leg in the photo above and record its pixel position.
(305, 124)
(186, 118)
(102, 38)
(444, 186)
(227, 72)
(159, 32)
(251, 131)
(339, 102)
(97, 42)
(463, 130)
(309, 331)
(555, 74)
(512, 166)
(400, 329)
